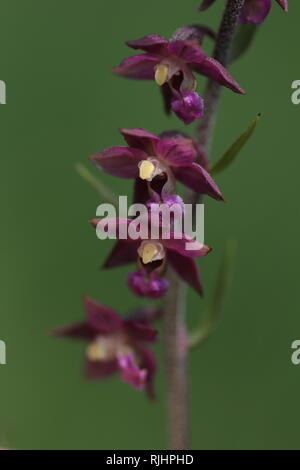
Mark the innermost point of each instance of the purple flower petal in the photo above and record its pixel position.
(103, 319)
(122, 253)
(211, 68)
(100, 369)
(188, 107)
(186, 51)
(119, 161)
(152, 43)
(148, 362)
(176, 151)
(140, 67)
(181, 246)
(131, 373)
(140, 139)
(255, 11)
(284, 4)
(187, 269)
(77, 331)
(198, 179)
(153, 287)
(206, 4)
(140, 331)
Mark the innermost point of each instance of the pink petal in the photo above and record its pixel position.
(101, 318)
(100, 369)
(198, 179)
(211, 68)
(152, 43)
(186, 51)
(182, 246)
(131, 373)
(255, 11)
(140, 67)
(77, 331)
(176, 151)
(119, 161)
(140, 139)
(188, 106)
(284, 4)
(148, 362)
(140, 331)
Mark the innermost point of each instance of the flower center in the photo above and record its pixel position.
(150, 168)
(106, 348)
(149, 252)
(161, 74)
(177, 73)
(146, 169)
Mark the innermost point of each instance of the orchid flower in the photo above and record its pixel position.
(115, 345)
(171, 64)
(150, 158)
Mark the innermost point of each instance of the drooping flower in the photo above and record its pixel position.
(153, 255)
(152, 159)
(254, 11)
(115, 345)
(171, 64)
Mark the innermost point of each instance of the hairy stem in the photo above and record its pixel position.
(176, 367)
(174, 318)
(213, 89)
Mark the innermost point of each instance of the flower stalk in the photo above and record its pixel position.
(175, 329)
(158, 247)
(221, 53)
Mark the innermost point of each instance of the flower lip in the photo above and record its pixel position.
(150, 285)
(131, 373)
(111, 339)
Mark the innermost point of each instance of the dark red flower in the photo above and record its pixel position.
(149, 156)
(116, 344)
(153, 254)
(171, 64)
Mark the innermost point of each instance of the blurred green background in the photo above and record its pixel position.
(63, 104)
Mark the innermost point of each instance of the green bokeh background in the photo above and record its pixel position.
(63, 104)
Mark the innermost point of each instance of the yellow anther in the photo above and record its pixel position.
(161, 74)
(146, 169)
(149, 252)
(95, 352)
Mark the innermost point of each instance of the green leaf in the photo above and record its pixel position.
(235, 148)
(212, 315)
(97, 184)
(242, 40)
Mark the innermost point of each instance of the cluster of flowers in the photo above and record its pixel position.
(155, 163)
